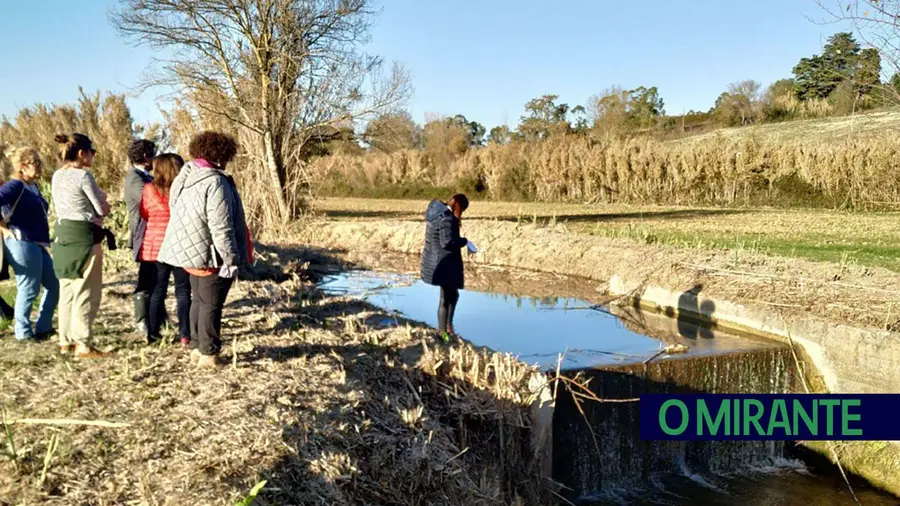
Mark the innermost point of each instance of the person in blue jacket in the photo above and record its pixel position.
(442, 263)
(26, 239)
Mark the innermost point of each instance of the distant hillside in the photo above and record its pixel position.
(813, 129)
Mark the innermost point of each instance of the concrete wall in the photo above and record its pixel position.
(848, 359)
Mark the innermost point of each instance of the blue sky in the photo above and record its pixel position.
(478, 58)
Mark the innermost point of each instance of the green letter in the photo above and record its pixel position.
(737, 418)
(811, 424)
(829, 420)
(779, 408)
(704, 416)
(847, 417)
(662, 417)
(754, 419)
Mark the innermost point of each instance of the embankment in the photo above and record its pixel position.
(320, 400)
(843, 317)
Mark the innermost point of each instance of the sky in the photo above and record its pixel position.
(482, 59)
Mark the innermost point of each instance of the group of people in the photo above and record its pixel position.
(186, 220)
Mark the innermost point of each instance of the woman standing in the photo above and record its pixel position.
(154, 210)
(26, 239)
(77, 251)
(442, 263)
(208, 237)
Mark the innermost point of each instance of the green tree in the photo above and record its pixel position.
(646, 105)
(543, 118)
(476, 130)
(868, 75)
(500, 135)
(618, 111)
(841, 60)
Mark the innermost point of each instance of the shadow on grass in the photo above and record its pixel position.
(598, 217)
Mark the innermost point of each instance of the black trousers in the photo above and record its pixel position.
(157, 316)
(446, 307)
(146, 277)
(208, 294)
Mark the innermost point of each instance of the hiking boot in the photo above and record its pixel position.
(444, 336)
(185, 341)
(195, 356)
(87, 352)
(209, 362)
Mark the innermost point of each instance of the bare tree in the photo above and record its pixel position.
(747, 98)
(392, 132)
(284, 72)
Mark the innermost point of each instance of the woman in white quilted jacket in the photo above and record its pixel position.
(208, 237)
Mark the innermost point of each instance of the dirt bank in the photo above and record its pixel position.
(321, 400)
(847, 294)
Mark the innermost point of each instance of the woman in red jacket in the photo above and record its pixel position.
(154, 211)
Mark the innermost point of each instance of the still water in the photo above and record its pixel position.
(538, 330)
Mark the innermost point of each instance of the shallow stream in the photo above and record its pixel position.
(539, 330)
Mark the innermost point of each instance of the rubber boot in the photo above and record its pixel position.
(141, 310)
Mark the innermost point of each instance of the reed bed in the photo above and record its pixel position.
(857, 171)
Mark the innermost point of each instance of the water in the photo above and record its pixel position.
(538, 330)
(598, 455)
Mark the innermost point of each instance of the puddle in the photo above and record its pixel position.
(538, 329)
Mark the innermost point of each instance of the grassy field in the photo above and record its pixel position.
(870, 239)
(824, 129)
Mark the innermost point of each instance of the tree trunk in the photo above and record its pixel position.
(275, 176)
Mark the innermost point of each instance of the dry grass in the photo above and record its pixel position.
(841, 237)
(816, 130)
(321, 401)
(854, 170)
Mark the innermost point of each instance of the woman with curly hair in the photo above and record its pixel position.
(208, 237)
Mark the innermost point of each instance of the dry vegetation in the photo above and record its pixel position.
(841, 237)
(321, 400)
(817, 130)
(857, 171)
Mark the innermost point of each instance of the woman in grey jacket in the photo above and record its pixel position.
(207, 236)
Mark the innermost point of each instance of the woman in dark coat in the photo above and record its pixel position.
(442, 263)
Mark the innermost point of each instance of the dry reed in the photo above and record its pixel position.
(717, 169)
(323, 402)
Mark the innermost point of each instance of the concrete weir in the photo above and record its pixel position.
(845, 359)
(597, 445)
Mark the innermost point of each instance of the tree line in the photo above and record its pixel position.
(844, 78)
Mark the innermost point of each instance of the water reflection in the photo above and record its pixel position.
(538, 329)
